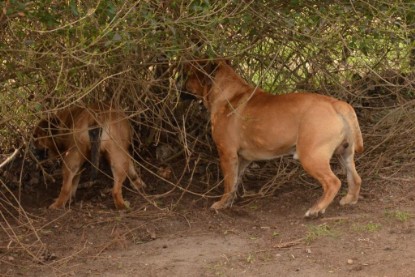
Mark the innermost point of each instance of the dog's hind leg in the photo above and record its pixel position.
(317, 164)
(71, 165)
(353, 179)
(229, 163)
(119, 167)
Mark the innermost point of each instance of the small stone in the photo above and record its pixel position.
(349, 261)
(308, 250)
(10, 258)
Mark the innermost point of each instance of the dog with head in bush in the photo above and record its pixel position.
(249, 124)
(81, 134)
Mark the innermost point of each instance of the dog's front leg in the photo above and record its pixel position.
(229, 164)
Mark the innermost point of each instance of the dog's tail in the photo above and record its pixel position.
(348, 114)
(95, 139)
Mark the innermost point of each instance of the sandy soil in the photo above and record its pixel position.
(256, 237)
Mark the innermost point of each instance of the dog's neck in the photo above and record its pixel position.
(223, 91)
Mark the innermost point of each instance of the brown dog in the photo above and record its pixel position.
(249, 124)
(82, 133)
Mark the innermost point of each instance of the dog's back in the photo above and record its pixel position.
(81, 125)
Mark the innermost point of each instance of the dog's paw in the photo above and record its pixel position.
(122, 205)
(348, 199)
(219, 205)
(55, 206)
(314, 213)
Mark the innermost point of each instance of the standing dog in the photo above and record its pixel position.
(249, 124)
(82, 133)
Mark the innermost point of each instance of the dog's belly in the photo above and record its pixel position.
(266, 142)
(261, 154)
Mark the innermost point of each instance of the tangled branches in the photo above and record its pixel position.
(130, 53)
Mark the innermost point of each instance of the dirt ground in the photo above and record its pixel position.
(256, 237)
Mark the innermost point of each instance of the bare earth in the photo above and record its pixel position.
(256, 237)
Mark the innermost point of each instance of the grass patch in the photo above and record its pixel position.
(250, 259)
(317, 231)
(401, 216)
(218, 269)
(370, 227)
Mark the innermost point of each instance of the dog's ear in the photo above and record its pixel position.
(205, 66)
(209, 67)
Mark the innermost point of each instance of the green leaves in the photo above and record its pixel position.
(74, 8)
(200, 6)
(63, 46)
(106, 11)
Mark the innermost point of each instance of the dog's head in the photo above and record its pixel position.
(43, 143)
(198, 77)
